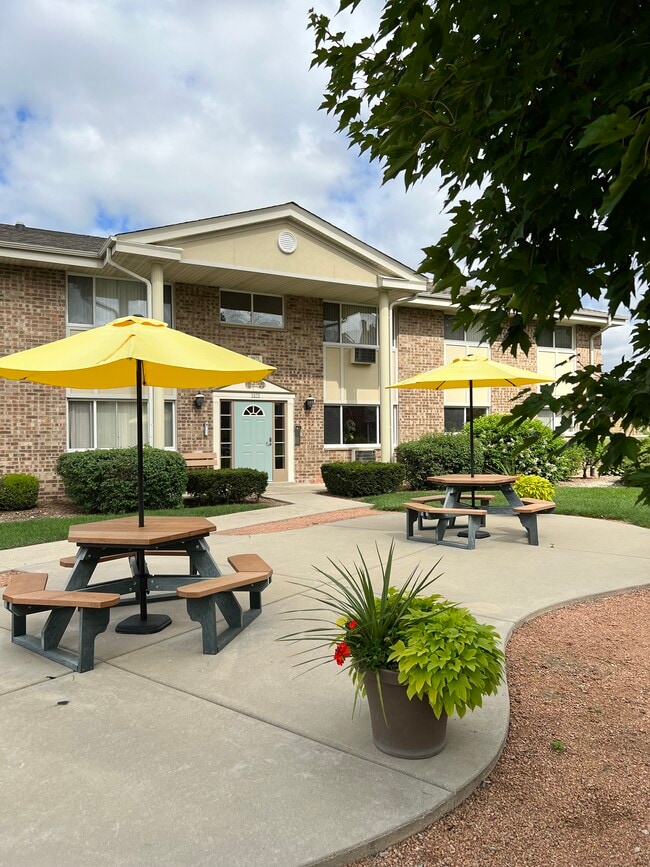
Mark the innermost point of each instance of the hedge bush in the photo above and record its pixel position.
(361, 478)
(437, 454)
(216, 487)
(106, 481)
(544, 455)
(18, 491)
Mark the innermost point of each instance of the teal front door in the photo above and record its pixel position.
(254, 435)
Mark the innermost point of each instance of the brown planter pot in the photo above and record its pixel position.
(413, 732)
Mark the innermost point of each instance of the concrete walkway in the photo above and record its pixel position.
(164, 756)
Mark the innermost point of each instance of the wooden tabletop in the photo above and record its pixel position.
(480, 480)
(125, 531)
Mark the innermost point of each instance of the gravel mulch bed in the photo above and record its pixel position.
(572, 786)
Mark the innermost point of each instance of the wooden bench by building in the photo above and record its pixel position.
(200, 460)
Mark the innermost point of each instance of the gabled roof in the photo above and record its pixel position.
(290, 211)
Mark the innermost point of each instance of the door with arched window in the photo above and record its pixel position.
(253, 435)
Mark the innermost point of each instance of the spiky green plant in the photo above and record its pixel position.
(440, 651)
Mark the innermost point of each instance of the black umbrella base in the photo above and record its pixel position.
(136, 626)
(480, 534)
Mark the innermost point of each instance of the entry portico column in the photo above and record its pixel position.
(385, 402)
(157, 395)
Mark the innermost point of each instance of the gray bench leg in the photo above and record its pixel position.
(473, 524)
(204, 612)
(92, 622)
(529, 523)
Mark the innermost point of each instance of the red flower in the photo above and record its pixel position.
(352, 624)
(341, 652)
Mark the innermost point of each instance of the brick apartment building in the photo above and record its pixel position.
(338, 319)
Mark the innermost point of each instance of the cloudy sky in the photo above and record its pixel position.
(123, 114)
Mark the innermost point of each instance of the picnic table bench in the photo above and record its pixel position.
(416, 510)
(26, 594)
(252, 574)
(528, 513)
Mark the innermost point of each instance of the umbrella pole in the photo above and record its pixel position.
(140, 444)
(144, 623)
(471, 428)
(480, 534)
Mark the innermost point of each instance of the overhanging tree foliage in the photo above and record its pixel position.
(537, 115)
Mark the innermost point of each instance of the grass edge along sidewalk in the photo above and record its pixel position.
(36, 531)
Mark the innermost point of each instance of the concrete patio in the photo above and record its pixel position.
(164, 756)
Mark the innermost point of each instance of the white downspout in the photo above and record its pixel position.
(155, 401)
(592, 339)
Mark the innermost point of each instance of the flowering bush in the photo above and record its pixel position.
(439, 650)
(529, 447)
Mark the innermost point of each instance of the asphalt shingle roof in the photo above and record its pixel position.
(20, 234)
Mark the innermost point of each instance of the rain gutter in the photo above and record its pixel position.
(110, 261)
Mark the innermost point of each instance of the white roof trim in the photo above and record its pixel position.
(50, 256)
(137, 248)
(580, 317)
(290, 212)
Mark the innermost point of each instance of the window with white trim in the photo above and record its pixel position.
(472, 335)
(456, 417)
(112, 424)
(249, 308)
(95, 301)
(109, 422)
(349, 324)
(351, 425)
(555, 357)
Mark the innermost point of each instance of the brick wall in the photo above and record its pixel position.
(420, 346)
(33, 418)
(296, 351)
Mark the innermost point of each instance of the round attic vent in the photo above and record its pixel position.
(287, 242)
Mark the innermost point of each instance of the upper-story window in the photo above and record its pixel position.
(98, 300)
(560, 337)
(473, 334)
(249, 308)
(351, 324)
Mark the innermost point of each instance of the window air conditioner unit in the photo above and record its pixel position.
(361, 355)
(366, 455)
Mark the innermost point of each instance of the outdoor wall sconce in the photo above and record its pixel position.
(309, 403)
(199, 400)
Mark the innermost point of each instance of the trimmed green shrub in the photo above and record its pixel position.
(361, 479)
(18, 491)
(530, 448)
(106, 481)
(534, 487)
(437, 454)
(216, 487)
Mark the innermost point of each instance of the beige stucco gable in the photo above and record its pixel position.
(258, 248)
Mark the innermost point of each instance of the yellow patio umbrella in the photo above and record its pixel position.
(133, 351)
(470, 371)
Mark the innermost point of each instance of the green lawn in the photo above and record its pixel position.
(34, 531)
(613, 503)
